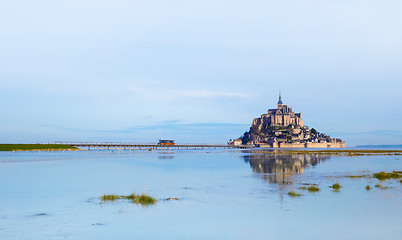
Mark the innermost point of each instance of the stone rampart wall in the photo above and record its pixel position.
(317, 145)
(292, 145)
(325, 145)
(302, 145)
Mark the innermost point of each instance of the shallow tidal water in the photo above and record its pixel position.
(223, 194)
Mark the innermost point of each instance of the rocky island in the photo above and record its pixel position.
(282, 128)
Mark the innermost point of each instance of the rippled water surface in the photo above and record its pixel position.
(223, 194)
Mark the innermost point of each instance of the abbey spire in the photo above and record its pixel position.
(280, 104)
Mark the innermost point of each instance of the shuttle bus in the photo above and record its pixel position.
(166, 142)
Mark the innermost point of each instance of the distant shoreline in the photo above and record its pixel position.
(379, 146)
(37, 147)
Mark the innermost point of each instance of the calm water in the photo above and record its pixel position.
(223, 195)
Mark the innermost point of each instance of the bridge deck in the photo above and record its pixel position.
(146, 145)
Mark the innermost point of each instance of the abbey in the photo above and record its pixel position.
(282, 116)
(282, 128)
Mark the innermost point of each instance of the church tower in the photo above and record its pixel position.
(280, 104)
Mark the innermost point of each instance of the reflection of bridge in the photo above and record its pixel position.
(146, 145)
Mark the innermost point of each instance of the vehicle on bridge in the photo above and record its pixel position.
(166, 142)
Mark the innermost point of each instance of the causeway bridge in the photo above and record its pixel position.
(155, 146)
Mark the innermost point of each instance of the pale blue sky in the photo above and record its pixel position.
(198, 71)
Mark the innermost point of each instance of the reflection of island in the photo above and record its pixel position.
(281, 165)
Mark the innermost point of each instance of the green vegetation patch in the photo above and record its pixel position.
(384, 176)
(313, 189)
(336, 186)
(357, 176)
(380, 186)
(32, 147)
(142, 199)
(302, 188)
(171, 199)
(368, 187)
(294, 194)
(111, 197)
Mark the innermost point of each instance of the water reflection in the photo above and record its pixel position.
(166, 155)
(278, 167)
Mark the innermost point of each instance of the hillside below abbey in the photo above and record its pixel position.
(282, 128)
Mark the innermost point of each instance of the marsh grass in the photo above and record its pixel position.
(313, 189)
(384, 176)
(380, 186)
(302, 188)
(336, 186)
(368, 188)
(35, 147)
(294, 194)
(358, 176)
(142, 199)
(110, 197)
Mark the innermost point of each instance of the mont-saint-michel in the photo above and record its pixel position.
(283, 128)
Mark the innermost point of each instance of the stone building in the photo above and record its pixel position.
(282, 128)
(282, 116)
(236, 142)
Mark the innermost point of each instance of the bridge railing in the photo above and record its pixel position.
(133, 143)
(128, 144)
(105, 143)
